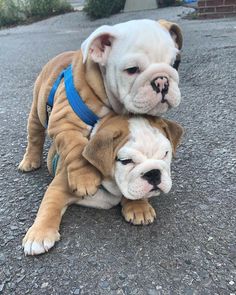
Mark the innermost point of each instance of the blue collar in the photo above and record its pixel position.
(75, 100)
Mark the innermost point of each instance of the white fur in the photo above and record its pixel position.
(147, 148)
(139, 43)
(101, 200)
(32, 247)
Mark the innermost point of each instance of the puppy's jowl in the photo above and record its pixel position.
(133, 156)
(128, 67)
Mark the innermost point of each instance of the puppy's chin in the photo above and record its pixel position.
(143, 195)
(147, 101)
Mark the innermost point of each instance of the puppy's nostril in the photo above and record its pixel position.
(160, 84)
(153, 176)
(155, 86)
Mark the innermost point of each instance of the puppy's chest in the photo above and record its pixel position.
(111, 186)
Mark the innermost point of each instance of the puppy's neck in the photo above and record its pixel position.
(89, 83)
(111, 186)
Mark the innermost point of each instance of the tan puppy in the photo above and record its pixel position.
(116, 69)
(133, 154)
(65, 127)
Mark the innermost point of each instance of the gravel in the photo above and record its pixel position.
(190, 248)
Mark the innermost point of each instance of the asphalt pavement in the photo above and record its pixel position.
(190, 249)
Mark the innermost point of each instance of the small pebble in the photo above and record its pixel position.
(21, 278)
(2, 286)
(104, 284)
(44, 285)
(152, 292)
(77, 291)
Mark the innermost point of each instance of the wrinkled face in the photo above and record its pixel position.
(136, 65)
(142, 167)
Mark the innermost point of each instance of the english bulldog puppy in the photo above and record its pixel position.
(129, 68)
(133, 155)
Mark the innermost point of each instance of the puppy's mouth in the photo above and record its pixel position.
(155, 189)
(167, 102)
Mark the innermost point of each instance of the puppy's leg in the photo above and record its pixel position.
(36, 137)
(83, 178)
(43, 234)
(138, 212)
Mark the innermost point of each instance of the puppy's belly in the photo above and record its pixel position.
(101, 200)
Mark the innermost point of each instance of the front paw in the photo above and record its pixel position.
(84, 183)
(29, 163)
(138, 212)
(39, 240)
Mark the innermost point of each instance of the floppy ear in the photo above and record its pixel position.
(174, 30)
(98, 45)
(100, 150)
(174, 132)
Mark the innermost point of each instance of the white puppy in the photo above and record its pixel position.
(136, 60)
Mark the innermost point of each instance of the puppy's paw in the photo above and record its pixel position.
(39, 240)
(29, 164)
(84, 183)
(138, 212)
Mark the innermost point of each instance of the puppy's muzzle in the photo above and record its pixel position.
(161, 84)
(153, 177)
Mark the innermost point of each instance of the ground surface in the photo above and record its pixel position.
(190, 249)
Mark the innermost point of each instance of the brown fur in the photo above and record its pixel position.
(76, 176)
(172, 130)
(58, 195)
(102, 148)
(138, 212)
(101, 152)
(69, 133)
(47, 222)
(176, 34)
(174, 30)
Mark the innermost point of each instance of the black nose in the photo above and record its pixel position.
(153, 176)
(160, 84)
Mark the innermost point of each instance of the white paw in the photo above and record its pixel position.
(38, 241)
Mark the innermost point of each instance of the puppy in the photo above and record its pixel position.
(128, 67)
(133, 154)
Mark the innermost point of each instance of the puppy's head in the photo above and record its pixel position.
(137, 61)
(136, 153)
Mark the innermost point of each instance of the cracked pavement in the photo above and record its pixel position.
(190, 249)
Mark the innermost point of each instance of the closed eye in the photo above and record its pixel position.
(133, 70)
(125, 161)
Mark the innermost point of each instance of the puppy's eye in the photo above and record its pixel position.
(133, 70)
(166, 153)
(125, 161)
